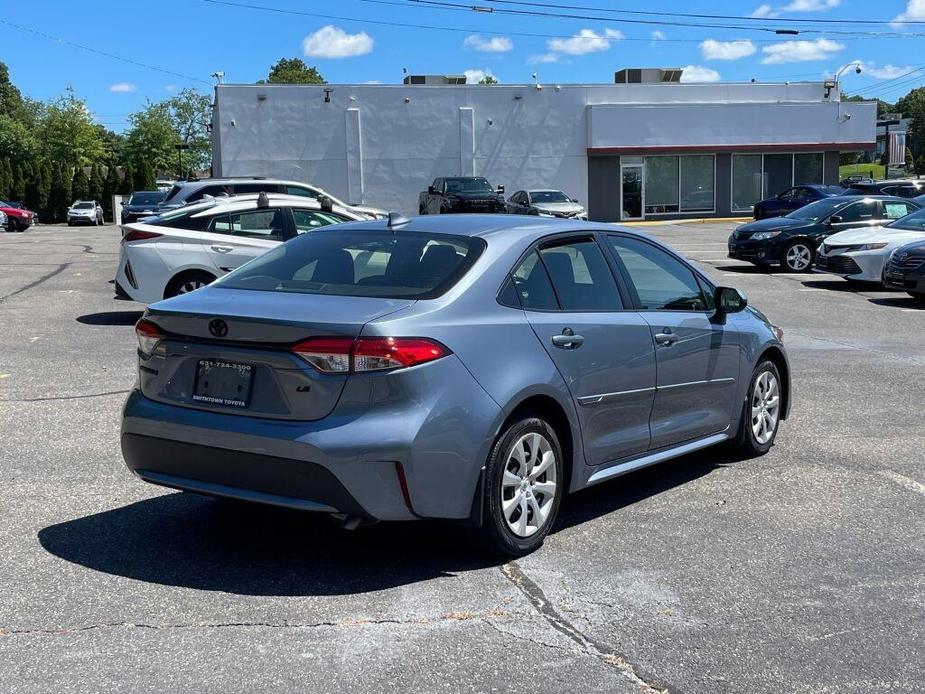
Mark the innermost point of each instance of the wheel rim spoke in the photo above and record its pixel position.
(546, 489)
(510, 479)
(528, 485)
(510, 505)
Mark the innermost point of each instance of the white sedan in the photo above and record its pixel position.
(861, 254)
(184, 249)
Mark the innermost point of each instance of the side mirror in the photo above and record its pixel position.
(575, 200)
(729, 300)
(430, 190)
(835, 219)
(500, 190)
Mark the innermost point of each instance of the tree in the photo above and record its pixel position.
(111, 186)
(128, 179)
(920, 166)
(95, 192)
(18, 188)
(17, 141)
(6, 178)
(293, 71)
(37, 188)
(67, 133)
(59, 198)
(160, 126)
(144, 178)
(488, 79)
(912, 105)
(80, 185)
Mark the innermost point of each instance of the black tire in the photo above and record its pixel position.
(788, 259)
(183, 283)
(747, 444)
(496, 535)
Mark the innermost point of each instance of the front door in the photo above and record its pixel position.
(697, 359)
(236, 238)
(604, 353)
(631, 184)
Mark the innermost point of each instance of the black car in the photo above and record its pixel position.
(906, 270)
(143, 203)
(793, 199)
(461, 194)
(901, 189)
(791, 241)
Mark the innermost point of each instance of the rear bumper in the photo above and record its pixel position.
(238, 474)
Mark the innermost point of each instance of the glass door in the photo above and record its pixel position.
(631, 191)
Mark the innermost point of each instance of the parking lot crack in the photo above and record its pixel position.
(47, 276)
(68, 397)
(537, 598)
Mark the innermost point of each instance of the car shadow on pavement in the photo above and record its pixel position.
(190, 541)
(111, 318)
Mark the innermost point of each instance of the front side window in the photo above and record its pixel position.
(308, 220)
(858, 211)
(581, 277)
(372, 263)
(662, 282)
(259, 224)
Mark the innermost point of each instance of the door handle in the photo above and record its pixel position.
(666, 338)
(568, 339)
(222, 249)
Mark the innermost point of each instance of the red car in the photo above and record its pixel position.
(18, 218)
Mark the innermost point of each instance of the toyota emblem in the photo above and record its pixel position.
(218, 327)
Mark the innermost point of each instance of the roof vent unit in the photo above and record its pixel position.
(434, 79)
(647, 75)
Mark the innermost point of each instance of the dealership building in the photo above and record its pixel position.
(647, 146)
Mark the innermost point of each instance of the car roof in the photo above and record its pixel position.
(855, 198)
(235, 202)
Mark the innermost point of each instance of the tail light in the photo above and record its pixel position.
(138, 235)
(148, 336)
(343, 355)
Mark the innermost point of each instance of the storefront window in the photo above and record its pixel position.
(746, 181)
(661, 189)
(697, 183)
(778, 173)
(808, 168)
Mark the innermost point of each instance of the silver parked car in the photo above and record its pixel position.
(474, 368)
(545, 203)
(85, 212)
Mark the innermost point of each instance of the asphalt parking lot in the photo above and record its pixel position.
(801, 571)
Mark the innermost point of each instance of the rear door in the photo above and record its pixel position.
(603, 351)
(234, 238)
(697, 359)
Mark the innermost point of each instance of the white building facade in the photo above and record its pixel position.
(627, 151)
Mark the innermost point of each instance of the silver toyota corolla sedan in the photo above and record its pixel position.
(473, 368)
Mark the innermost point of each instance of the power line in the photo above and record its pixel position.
(74, 44)
(444, 4)
(693, 15)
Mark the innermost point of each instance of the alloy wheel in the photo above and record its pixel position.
(191, 285)
(528, 485)
(765, 407)
(798, 257)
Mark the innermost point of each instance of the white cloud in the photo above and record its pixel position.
(763, 11)
(698, 73)
(333, 42)
(658, 35)
(543, 58)
(727, 50)
(474, 76)
(800, 51)
(810, 5)
(585, 41)
(493, 44)
(170, 87)
(915, 12)
(884, 72)
(122, 87)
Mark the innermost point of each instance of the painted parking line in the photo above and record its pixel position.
(903, 481)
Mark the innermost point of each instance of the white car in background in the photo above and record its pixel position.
(184, 249)
(861, 254)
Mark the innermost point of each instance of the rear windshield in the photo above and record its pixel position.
(146, 198)
(172, 193)
(410, 265)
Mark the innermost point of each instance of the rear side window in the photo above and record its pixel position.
(533, 286)
(580, 277)
(214, 191)
(299, 190)
(308, 220)
(259, 187)
(662, 282)
(895, 210)
(413, 265)
(259, 224)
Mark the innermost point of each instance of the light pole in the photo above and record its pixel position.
(180, 147)
(857, 68)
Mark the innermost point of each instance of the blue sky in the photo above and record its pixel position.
(358, 42)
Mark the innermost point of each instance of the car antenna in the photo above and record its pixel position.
(397, 219)
(262, 200)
